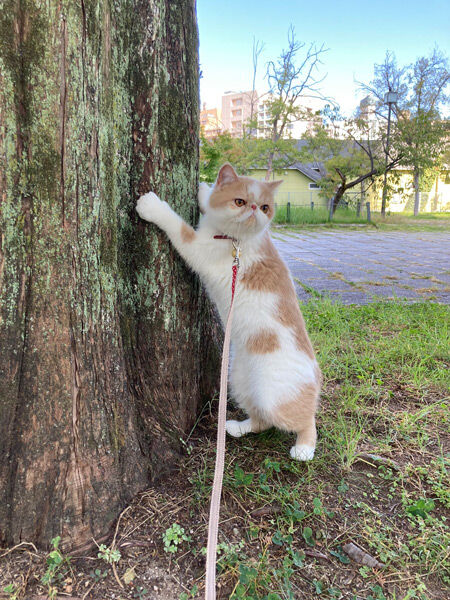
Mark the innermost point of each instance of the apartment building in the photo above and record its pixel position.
(237, 108)
(210, 122)
(367, 111)
(297, 127)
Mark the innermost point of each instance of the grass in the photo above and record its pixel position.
(379, 480)
(301, 216)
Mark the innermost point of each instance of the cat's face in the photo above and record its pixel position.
(241, 206)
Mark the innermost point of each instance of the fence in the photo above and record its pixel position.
(397, 203)
(346, 212)
(304, 198)
(429, 202)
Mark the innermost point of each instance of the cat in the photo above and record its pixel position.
(274, 375)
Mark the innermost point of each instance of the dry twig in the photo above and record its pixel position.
(361, 557)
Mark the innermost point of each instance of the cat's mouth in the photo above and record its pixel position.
(248, 219)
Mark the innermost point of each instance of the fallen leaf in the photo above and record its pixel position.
(129, 575)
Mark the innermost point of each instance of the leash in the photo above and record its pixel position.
(214, 508)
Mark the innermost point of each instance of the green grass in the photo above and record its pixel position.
(408, 222)
(432, 216)
(379, 479)
(301, 215)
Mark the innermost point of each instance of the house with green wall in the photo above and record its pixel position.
(299, 186)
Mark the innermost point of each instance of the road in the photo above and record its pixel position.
(362, 266)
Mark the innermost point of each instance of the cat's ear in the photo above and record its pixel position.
(274, 184)
(226, 175)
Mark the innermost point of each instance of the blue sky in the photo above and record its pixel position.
(356, 33)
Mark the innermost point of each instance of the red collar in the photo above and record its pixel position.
(223, 237)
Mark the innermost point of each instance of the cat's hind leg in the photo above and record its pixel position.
(306, 443)
(242, 393)
(298, 415)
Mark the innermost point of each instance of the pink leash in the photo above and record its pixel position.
(214, 509)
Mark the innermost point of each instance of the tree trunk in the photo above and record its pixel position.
(336, 199)
(105, 352)
(416, 191)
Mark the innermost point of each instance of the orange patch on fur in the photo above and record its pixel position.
(187, 233)
(264, 342)
(270, 274)
(290, 316)
(299, 414)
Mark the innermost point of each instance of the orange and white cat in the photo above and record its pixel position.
(274, 374)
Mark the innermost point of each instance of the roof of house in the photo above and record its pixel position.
(312, 170)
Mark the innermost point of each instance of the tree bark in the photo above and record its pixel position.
(416, 191)
(105, 351)
(337, 198)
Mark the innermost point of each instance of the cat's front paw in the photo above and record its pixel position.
(204, 192)
(238, 428)
(149, 207)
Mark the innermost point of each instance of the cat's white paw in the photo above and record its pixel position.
(204, 192)
(238, 428)
(149, 206)
(302, 452)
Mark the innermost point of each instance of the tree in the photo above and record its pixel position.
(104, 349)
(290, 78)
(419, 133)
(223, 148)
(345, 160)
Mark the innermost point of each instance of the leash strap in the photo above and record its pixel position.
(214, 509)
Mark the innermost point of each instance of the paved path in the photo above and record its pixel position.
(362, 266)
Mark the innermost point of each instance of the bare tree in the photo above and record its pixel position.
(257, 48)
(291, 77)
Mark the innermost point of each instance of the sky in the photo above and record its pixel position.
(358, 34)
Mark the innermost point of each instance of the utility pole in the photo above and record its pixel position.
(390, 98)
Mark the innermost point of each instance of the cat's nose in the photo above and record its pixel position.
(254, 206)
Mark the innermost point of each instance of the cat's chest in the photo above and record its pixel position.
(218, 282)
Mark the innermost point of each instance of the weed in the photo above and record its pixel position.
(191, 594)
(420, 508)
(11, 591)
(58, 568)
(98, 575)
(109, 555)
(242, 478)
(140, 592)
(173, 537)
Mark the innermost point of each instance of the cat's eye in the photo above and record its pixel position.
(265, 208)
(240, 202)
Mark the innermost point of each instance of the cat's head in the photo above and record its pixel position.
(241, 206)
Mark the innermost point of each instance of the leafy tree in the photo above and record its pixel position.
(225, 148)
(419, 134)
(346, 160)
